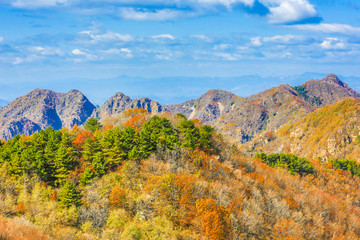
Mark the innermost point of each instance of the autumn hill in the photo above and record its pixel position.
(166, 177)
(329, 132)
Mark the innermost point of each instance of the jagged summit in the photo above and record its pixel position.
(120, 102)
(42, 108)
(332, 78)
(328, 90)
(120, 95)
(207, 108)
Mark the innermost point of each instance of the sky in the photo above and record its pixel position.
(174, 50)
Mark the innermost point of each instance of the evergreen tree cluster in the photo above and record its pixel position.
(347, 165)
(293, 163)
(54, 156)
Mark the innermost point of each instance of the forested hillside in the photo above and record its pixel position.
(329, 132)
(166, 177)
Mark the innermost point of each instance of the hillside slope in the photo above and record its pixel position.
(271, 109)
(172, 179)
(329, 132)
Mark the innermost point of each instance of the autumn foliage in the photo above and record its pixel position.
(215, 220)
(169, 179)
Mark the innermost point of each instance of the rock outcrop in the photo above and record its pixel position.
(120, 102)
(206, 108)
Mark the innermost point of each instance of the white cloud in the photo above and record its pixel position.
(222, 46)
(1, 39)
(256, 41)
(173, 9)
(281, 11)
(289, 11)
(107, 37)
(38, 3)
(126, 52)
(168, 36)
(78, 52)
(331, 28)
(145, 3)
(46, 51)
(166, 54)
(332, 44)
(157, 15)
(17, 61)
(227, 3)
(286, 39)
(228, 56)
(202, 37)
(280, 39)
(155, 10)
(26, 59)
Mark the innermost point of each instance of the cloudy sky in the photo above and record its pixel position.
(172, 50)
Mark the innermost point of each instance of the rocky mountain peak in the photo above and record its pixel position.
(75, 92)
(120, 95)
(327, 91)
(42, 108)
(120, 102)
(332, 78)
(207, 108)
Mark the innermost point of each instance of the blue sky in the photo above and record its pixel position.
(175, 49)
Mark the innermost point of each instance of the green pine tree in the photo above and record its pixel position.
(68, 195)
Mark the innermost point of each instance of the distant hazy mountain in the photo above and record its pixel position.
(43, 108)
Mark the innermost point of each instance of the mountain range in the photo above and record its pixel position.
(241, 119)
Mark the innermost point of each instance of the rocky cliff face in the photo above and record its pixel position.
(43, 108)
(120, 102)
(206, 108)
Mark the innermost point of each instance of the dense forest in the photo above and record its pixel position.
(138, 176)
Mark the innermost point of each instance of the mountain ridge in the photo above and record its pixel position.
(239, 118)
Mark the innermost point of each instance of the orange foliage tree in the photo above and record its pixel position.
(117, 196)
(135, 122)
(79, 140)
(184, 185)
(214, 219)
